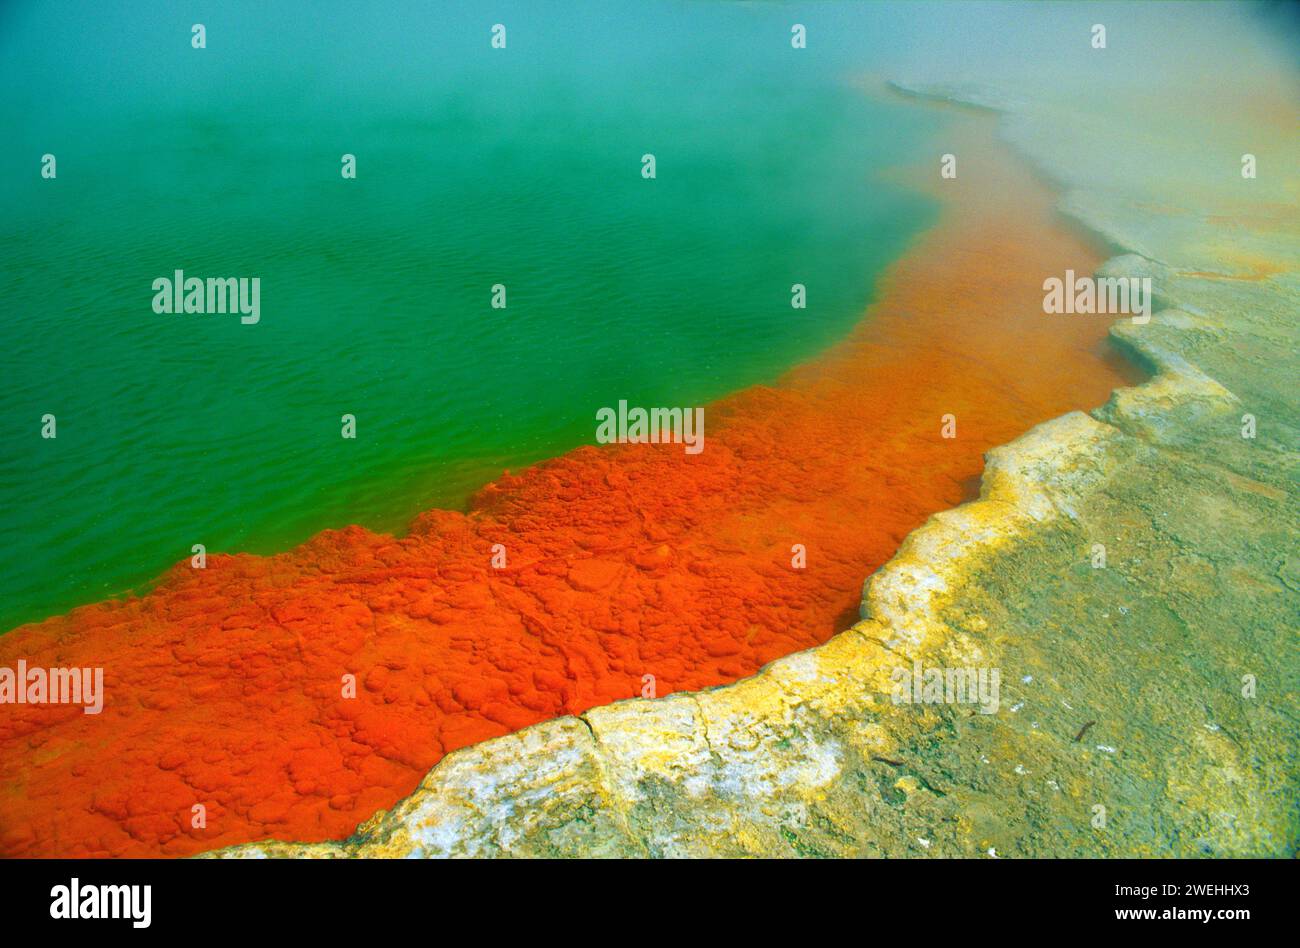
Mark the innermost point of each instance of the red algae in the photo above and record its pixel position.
(224, 686)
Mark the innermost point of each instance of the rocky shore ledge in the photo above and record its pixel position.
(1148, 706)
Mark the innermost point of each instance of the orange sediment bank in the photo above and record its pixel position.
(224, 687)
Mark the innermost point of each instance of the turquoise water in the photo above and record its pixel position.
(475, 166)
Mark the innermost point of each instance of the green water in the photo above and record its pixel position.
(475, 166)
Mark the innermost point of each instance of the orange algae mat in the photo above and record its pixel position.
(224, 686)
